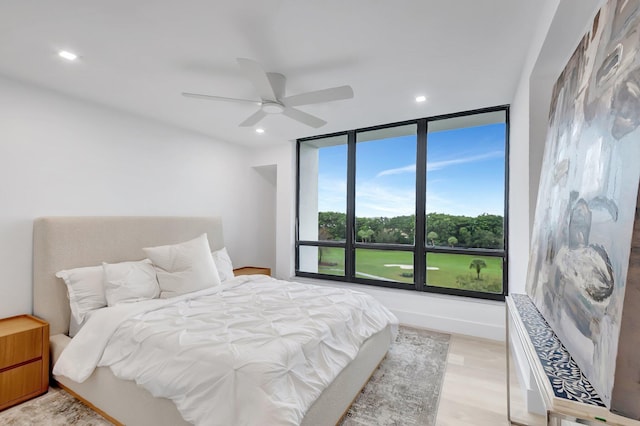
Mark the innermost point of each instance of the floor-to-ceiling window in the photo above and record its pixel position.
(417, 205)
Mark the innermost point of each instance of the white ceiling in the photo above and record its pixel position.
(139, 55)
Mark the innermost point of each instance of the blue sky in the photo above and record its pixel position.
(465, 174)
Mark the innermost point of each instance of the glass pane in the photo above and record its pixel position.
(322, 260)
(385, 265)
(386, 185)
(465, 272)
(323, 189)
(466, 181)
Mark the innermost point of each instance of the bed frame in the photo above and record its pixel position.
(70, 242)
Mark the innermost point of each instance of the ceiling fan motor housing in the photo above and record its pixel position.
(272, 107)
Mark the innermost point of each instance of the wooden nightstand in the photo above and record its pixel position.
(24, 359)
(251, 270)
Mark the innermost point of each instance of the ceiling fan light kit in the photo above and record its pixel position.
(271, 107)
(271, 88)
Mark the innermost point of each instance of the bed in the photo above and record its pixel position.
(70, 242)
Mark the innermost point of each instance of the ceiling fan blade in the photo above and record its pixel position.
(254, 118)
(318, 96)
(219, 98)
(259, 78)
(303, 117)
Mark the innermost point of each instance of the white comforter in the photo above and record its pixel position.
(253, 351)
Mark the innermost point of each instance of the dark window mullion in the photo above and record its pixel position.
(322, 243)
(349, 253)
(505, 222)
(297, 224)
(469, 251)
(384, 246)
(419, 257)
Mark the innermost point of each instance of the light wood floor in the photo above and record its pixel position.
(474, 391)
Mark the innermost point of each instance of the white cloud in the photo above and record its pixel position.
(332, 194)
(372, 200)
(438, 165)
(375, 200)
(411, 168)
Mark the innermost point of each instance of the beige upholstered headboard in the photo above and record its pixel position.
(70, 242)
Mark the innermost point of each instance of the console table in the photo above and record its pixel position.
(546, 368)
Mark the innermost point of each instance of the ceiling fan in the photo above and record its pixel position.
(271, 88)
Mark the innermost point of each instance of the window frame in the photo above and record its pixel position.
(420, 247)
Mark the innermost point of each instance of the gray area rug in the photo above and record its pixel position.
(404, 390)
(55, 408)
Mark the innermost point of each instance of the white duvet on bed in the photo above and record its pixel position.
(252, 351)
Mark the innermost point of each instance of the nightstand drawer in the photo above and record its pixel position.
(21, 383)
(20, 347)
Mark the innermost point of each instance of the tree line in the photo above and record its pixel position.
(483, 231)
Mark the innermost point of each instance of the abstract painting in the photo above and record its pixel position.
(582, 234)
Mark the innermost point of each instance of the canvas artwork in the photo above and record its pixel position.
(582, 235)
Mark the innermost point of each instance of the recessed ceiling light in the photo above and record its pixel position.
(259, 130)
(69, 56)
(421, 98)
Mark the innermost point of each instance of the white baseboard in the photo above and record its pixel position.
(451, 325)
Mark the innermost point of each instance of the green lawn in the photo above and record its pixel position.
(454, 272)
(372, 262)
(452, 269)
(332, 261)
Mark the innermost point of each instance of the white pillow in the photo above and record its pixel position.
(85, 289)
(130, 282)
(185, 267)
(223, 263)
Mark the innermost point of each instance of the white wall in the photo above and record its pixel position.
(283, 158)
(309, 159)
(561, 26)
(60, 156)
(520, 204)
(259, 233)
